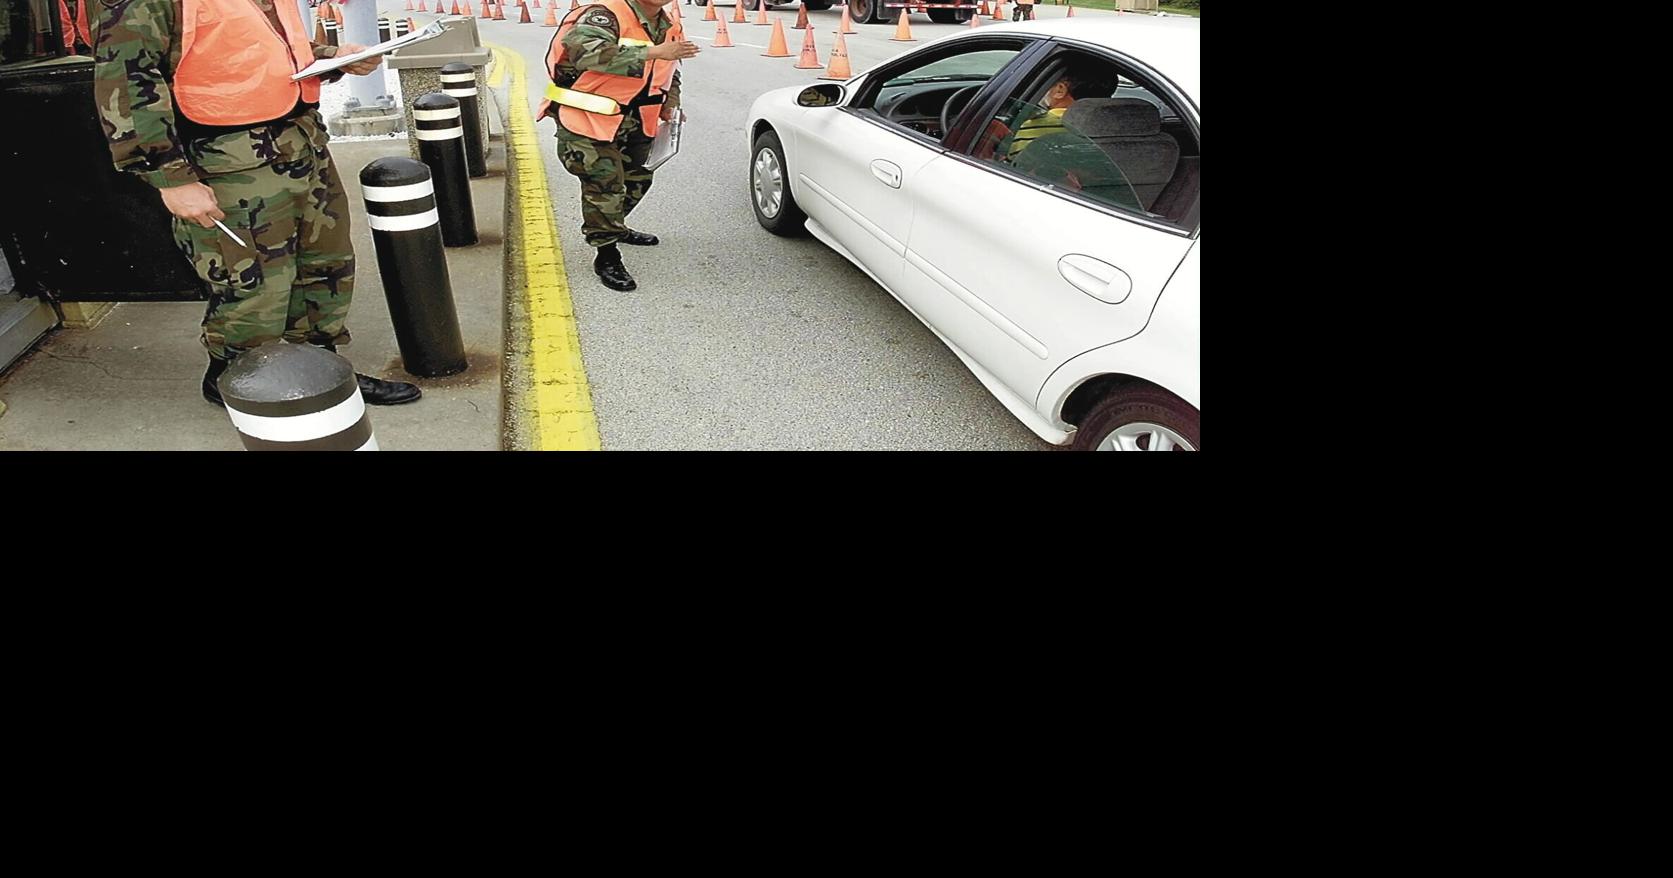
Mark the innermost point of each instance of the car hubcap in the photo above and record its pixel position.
(769, 184)
(1145, 437)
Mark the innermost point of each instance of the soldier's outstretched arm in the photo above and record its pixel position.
(130, 57)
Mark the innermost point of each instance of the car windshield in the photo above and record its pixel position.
(978, 66)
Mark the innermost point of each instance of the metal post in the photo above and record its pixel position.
(441, 145)
(296, 397)
(402, 211)
(360, 25)
(458, 80)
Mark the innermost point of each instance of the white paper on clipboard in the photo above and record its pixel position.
(666, 142)
(326, 65)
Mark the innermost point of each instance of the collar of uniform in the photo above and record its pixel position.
(645, 19)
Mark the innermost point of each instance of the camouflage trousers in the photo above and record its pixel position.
(293, 277)
(613, 177)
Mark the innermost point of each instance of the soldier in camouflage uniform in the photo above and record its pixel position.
(272, 183)
(612, 172)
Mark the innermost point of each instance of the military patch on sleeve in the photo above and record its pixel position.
(600, 18)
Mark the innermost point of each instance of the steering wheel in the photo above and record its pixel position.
(947, 108)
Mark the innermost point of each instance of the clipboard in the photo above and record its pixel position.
(326, 65)
(666, 144)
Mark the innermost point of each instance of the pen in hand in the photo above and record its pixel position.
(229, 232)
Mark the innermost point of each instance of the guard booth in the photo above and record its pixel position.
(72, 227)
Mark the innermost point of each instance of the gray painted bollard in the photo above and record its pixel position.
(401, 209)
(441, 145)
(296, 397)
(458, 80)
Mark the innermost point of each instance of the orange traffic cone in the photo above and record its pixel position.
(409, 5)
(983, 9)
(499, 12)
(487, 10)
(574, 5)
(455, 8)
(710, 15)
(468, 11)
(738, 13)
(536, 4)
(412, 26)
(801, 18)
(1071, 12)
(810, 53)
(839, 61)
(775, 46)
(847, 26)
(723, 40)
(903, 31)
(422, 6)
(551, 17)
(525, 19)
(761, 13)
(975, 21)
(999, 10)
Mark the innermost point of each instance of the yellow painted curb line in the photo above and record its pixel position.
(558, 393)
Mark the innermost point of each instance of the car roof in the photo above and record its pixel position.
(1171, 45)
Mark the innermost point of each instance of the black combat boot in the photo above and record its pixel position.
(212, 391)
(377, 391)
(640, 239)
(608, 265)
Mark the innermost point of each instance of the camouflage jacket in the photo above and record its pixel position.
(136, 48)
(591, 45)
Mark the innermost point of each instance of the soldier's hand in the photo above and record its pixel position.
(194, 203)
(673, 50)
(361, 67)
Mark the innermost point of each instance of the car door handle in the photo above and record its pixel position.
(1096, 278)
(888, 172)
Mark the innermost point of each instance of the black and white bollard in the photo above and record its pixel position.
(441, 145)
(402, 27)
(386, 30)
(401, 208)
(296, 397)
(458, 80)
(331, 37)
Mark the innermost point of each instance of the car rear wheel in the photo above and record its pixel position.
(818, 5)
(769, 188)
(1140, 419)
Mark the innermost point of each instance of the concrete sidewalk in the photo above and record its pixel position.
(130, 382)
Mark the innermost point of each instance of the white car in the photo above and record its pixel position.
(1031, 192)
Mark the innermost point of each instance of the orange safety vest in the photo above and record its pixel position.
(77, 28)
(592, 105)
(235, 68)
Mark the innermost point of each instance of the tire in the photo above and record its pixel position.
(1134, 418)
(751, 5)
(950, 16)
(865, 11)
(702, 2)
(818, 5)
(788, 220)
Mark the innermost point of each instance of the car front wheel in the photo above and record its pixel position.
(769, 188)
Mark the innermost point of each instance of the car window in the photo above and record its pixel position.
(914, 96)
(1084, 126)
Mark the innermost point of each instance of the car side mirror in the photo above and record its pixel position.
(825, 94)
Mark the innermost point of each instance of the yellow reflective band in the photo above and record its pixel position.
(581, 100)
(624, 41)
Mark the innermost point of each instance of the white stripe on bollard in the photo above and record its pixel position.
(408, 192)
(440, 134)
(336, 419)
(404, 223)
(435, 115)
